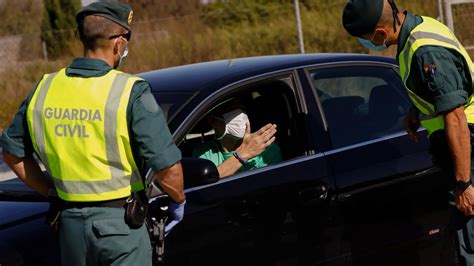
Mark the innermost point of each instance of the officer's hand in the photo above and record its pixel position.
(412, 123)
(175, 215)
(255, 143)
(465, 201)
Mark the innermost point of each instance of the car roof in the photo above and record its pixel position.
(216, 74)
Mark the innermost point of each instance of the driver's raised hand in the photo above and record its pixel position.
(253, 144)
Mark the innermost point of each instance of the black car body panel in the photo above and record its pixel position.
(24, 237)
(352, 189)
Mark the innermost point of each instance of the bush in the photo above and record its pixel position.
(18, 17)
(59, 24)
(178, 32)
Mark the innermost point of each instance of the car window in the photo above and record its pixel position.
(270, 101)
(360, 103)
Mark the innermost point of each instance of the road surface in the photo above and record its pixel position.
(5, 172)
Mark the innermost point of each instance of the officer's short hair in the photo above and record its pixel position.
(97, 31)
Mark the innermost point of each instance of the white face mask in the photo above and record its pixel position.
(122, 57)
(235, 123)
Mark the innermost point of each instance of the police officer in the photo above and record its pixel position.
(437, 73)
(94, 128)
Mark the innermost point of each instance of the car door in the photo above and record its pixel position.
(390, 200)
(249, 218)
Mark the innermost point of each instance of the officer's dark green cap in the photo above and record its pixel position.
(119, 13)
(361, 16)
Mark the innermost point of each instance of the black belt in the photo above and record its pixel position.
(115, 203)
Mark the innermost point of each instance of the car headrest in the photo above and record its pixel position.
(345, 104)
(383, 99)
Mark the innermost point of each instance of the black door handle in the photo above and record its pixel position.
(314, 195)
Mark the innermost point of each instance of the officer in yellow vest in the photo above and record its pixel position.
(94, 128)
(437, 73)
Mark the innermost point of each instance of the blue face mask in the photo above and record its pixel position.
(371, 46)
(122, 57)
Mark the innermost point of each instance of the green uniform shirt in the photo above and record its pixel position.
(212, 150)
(450, 86)
(150, 137)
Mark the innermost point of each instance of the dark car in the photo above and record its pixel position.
(352, 189)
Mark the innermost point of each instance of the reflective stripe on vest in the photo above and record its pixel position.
(432, 32)
(78, 128)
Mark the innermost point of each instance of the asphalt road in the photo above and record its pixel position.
(5, 172)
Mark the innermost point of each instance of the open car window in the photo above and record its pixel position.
(270, 101)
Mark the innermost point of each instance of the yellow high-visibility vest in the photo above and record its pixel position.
(432, 32)
(78, 127)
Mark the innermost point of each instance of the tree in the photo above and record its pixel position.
(59, 24)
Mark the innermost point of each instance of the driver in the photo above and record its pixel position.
(235, 148)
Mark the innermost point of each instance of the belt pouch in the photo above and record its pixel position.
(136, 209)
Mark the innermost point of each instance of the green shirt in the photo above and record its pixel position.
(213, 151)
(451, 84)
(150, 137)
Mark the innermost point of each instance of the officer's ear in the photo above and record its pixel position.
(116, 45)
(116, 52)
(381, 34)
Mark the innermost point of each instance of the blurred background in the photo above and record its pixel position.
(38, 36)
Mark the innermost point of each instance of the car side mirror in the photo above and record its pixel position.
(198, 172)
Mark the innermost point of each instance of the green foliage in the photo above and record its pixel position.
(58, 25)
(17, 84)
(153, 9)
(176, 32)
(234, 12)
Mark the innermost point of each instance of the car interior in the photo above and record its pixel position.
(360, 103)
(266, 102)
(352, 119)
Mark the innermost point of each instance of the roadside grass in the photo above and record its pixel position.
(197, 38)
(16, 84)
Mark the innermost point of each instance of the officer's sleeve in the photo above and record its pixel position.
(444, 78)
(16, 138)
(151, 132)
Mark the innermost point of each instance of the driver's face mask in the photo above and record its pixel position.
(235, 123)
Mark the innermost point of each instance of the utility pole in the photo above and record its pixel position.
(440, 11)
(298, 22)
(449, 14)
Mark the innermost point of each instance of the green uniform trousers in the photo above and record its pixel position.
(100, 236)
